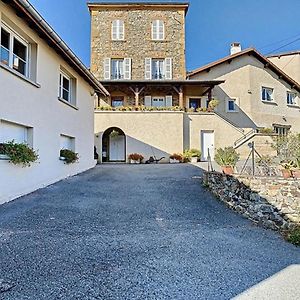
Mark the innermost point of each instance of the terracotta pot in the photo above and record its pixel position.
(296, 174)
(228, 170)
(286, 173)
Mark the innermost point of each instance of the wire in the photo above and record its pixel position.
(292, 42)
(278, 42)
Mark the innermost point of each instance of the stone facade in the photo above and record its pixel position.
(137, 43)
(269, 201)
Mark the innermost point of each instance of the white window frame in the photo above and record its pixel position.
(272, 94)
(234, 100)
(163, 68)
(13, 35)
(118, 60)
(63, 75)
(118, 29)
(291, 103)
(158, 98)
(156, 33)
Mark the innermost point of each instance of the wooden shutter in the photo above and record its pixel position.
(154, 30)
(161, 30)
(120, 30)
(168, 68)
(114, 30)
(127, 68)
(147, 101)
(169, 101)
(148, 68)
(107, 69)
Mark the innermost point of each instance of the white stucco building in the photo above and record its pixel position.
(46, 100)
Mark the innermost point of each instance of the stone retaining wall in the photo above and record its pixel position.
(272, 202)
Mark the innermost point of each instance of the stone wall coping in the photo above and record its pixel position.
(151, 112)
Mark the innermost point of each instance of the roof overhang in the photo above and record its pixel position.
(36, 22)
(159, 5)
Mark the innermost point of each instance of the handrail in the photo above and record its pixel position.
(248, 134)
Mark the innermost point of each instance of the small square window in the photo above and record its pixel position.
(267, 94)
(291, 98)
(231, 105)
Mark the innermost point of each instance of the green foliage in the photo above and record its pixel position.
(213, 103)
(69, 156)
(227, 157)
(266, 130)
(264, 160)
(294, 236)
(19, 153)
(191, 153)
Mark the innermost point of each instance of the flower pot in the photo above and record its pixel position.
(4, 157)
(286, 173)
(296, 174)
(135, 162)
(194, 159)
(228, 170)
(174, 161)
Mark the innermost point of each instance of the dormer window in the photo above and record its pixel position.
(117, 32)
(158, 30)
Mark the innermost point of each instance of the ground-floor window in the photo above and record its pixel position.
(195, 103)
(117, 101)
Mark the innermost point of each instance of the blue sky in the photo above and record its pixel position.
(210, 28)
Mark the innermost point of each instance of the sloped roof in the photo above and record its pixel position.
(29, 14)
(284, 53)
(253, 52)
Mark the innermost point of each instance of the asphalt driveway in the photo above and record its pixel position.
(133, 232)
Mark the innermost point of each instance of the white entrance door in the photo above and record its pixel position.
(117, 148)
(208, 145)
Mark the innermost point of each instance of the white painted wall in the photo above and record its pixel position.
(39, 108)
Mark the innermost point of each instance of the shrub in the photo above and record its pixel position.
(213, 103)
(69, 156)
(266, 130)
(176, 156)
(195, 152)
(227, 157)
(294, 236)
(136, 156)
(19, 153)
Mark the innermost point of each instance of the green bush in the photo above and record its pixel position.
(69, 156)
(227, 157)
(19, 153)
(294, 236)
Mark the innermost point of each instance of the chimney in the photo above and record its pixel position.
(235, 48)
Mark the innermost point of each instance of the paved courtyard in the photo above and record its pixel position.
(135, 232)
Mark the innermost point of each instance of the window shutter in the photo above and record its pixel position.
(169, 101)
(154, 30)
(147, 101)
(148, 68)
(168, 68)
(121, 30)
(107, 69)
(161, 30)
(114, 30)
(127, 68)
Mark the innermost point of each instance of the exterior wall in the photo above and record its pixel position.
(244, 78)
(157, 134)
(290, 64)
(138, 36)
(39, 108)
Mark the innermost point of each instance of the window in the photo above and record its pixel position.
(281, 130)
(267, 94)
(117, 101)
(64, 87)
(195, 103)
(158, 30)
(14, 51)
(117, 30)
(67, 142)
(14, 132)
(158, 68)
(117, 68)
(231, 105)
(291, 98)
(158, 102)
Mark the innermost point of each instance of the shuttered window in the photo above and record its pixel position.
(117, 32)
(158, 30)
(158, 69)
(117, 68)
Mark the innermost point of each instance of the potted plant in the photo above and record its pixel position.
(287, 169)
(227, 158)
(68, 156)
(296, 171)
(18, 153)
(195, 154)
(135, 158)
(213, 104)
(176, 158)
